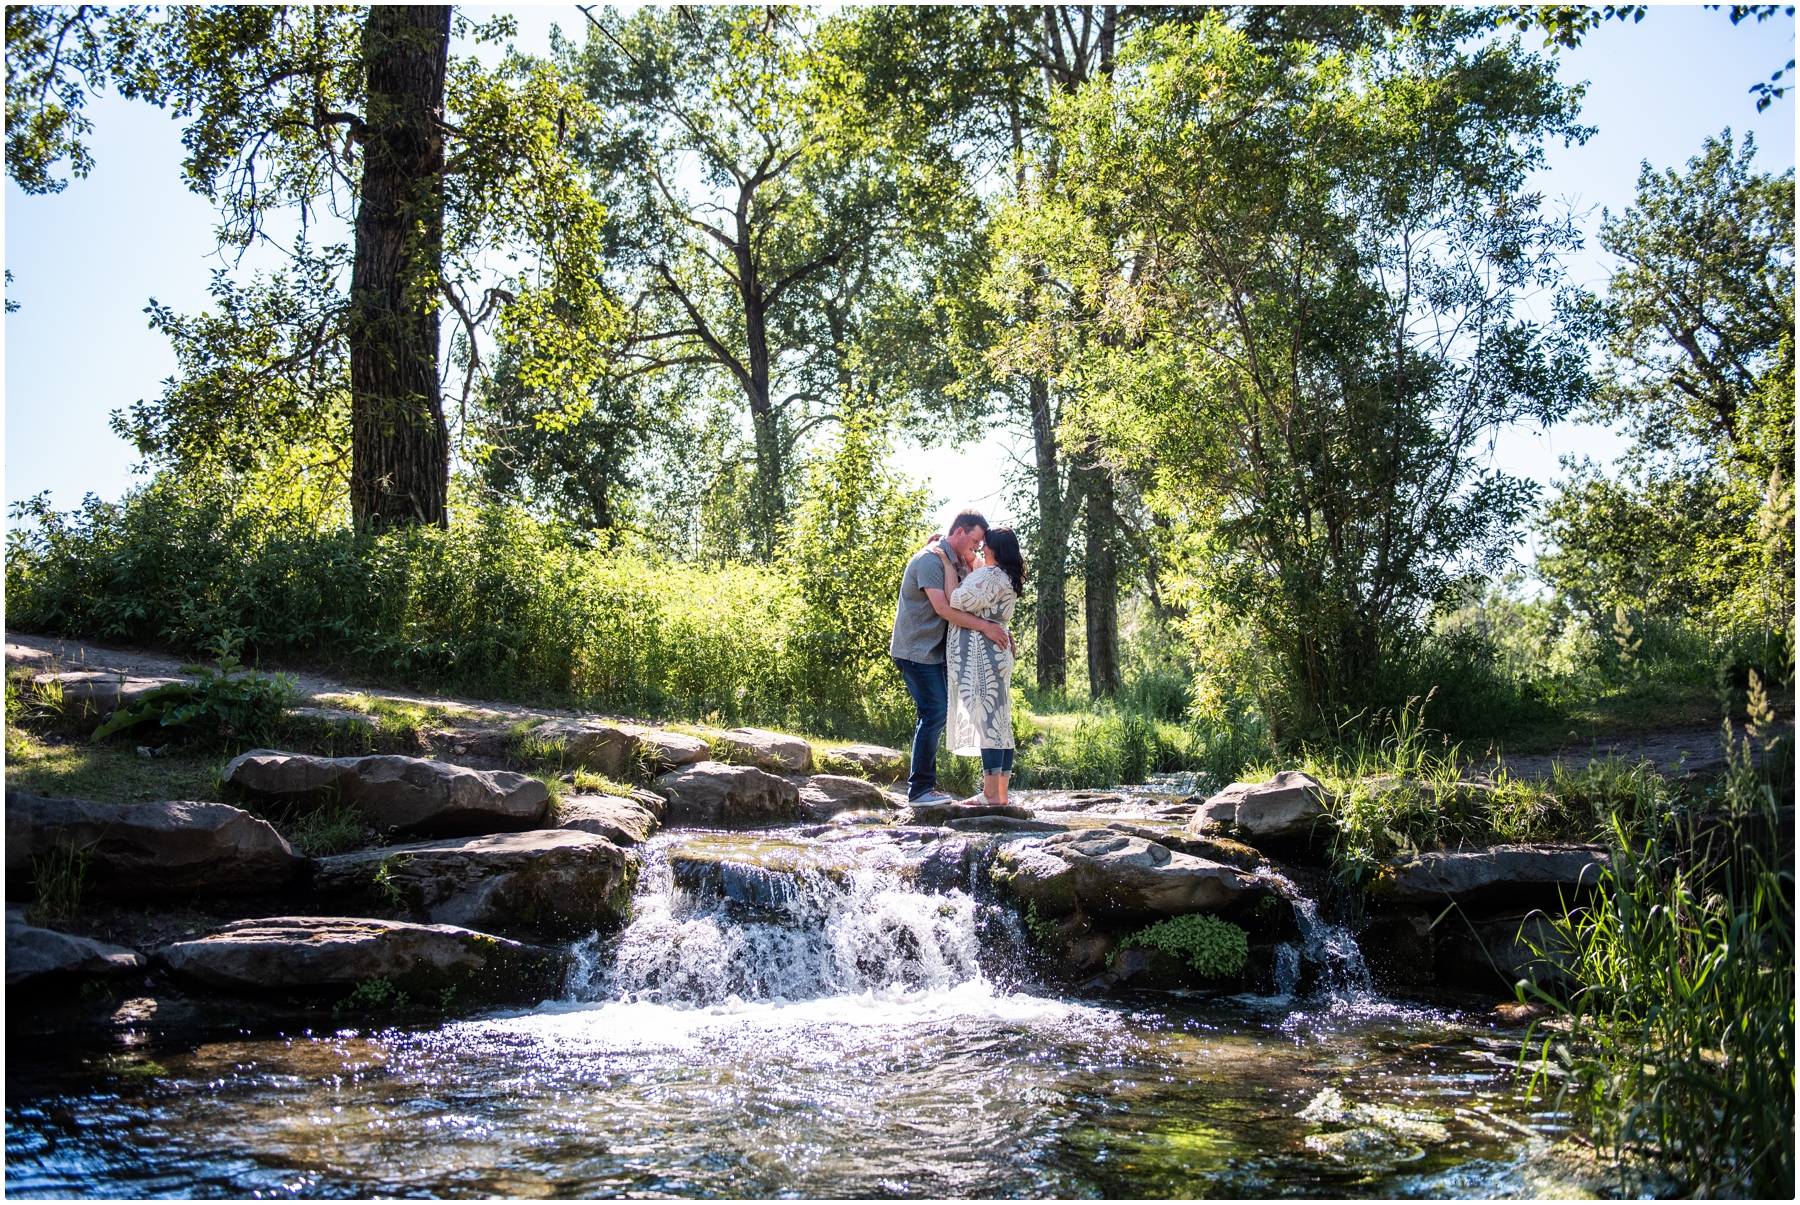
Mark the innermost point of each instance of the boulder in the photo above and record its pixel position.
(662, 750)
(1492, 955)
(1035, 875)
(1214, 849)
(621, 821)
(877, 763)
(409, 795)
(1287, 805)
(943, 813)
(331, 715)
(151, 850)
(775, 751)
(711, 794)
(1116, 872)
(606, 748)
(551, 880)
(302, 952)
(1074, 801)
(653, 803)
(1519, 875)
(1398, 947)
(825, 795)
(1003, 824)
(32, 952)
(771, 873)
(101, 692)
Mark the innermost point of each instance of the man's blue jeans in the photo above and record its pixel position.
(929, 686)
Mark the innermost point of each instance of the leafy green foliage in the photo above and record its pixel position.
(373, 996)
(1216, 948)
(226, 700)
(1232, 271)
(58, 881)
(1680, 1045)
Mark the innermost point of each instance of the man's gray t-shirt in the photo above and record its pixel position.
(918, 629)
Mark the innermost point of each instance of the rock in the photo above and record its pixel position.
(711, 794)
(621, 821)
(1074, 801)
(1492, 955)
(330, 715)
(772, 873)
(662, 750)
(1115, 872)
(825, 795)
(877, 763)
(775, 751)
(1215, 849)
(408, 795)
(552, 880)
(1003, 824)
(943, 813)
(1287, 805)
(653, 803)
(32, 952)
(1517, 875)
(606, 748)
(151, 850)
(1037, 876)
(101, 692)
(288, 952)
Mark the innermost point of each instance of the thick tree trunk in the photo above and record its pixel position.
(400, 470)
(1052, 568)
(1101, 580)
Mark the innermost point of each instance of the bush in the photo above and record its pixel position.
(1216, 948)
(225, 702)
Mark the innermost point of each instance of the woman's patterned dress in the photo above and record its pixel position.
(980, 670)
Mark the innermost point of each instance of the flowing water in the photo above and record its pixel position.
(813, 1012)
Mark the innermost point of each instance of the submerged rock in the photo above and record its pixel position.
(551, 880)
(1521, 875)
(774, 751)
(1002, 824)
(621, 821)
(410, 795)
(877, 763)
(337, 952)
(772, 872)
(712, 794)
(1288, 805)
(32, 953)
(150, 850)
(825, 795)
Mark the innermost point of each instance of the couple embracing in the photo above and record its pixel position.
(953, 648)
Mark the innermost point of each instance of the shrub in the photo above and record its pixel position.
(1216, 948)
(227, 701)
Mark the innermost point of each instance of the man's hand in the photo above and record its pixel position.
(999, 636)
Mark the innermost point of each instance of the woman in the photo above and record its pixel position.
(980, 670)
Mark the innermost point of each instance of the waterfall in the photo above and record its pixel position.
(793, 934)
(1330, 950)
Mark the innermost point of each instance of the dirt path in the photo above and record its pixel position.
(53, 653)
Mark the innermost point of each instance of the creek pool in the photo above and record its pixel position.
(845, 1040)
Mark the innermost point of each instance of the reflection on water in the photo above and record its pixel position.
(845, 1036)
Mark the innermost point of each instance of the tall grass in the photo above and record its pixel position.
(1679, 1043)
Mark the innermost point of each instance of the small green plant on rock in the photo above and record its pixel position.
(372, 995)
(224, 701)
(386, 885)
(1216, 948)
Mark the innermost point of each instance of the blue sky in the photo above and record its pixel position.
(86, 261)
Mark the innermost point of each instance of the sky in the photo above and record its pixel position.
(86, 261)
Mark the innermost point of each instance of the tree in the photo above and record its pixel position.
(359, 110)
(1283, 283)
(761, 229)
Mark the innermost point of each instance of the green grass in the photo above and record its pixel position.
(106, 773)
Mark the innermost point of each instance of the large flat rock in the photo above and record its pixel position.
(776, 752)
(150, 850)
(662, 750)
(101, 692)
(600, 745)
(877, 763)
(409, 796)
(825, 795)
(34, 953)
(1522, 875)
(621, 821)
(309, 952)
(943, 813)
(711, 794)
(1288, 805)
(1109, 872)
(552, 881)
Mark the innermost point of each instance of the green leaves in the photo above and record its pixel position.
(226, 701)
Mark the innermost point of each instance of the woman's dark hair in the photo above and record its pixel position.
(1005, 546)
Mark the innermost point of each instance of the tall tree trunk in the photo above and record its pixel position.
(1101, 590)
(400, 462)
(768, 499)
(1052, 568)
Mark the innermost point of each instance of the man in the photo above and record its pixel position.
(921, 621)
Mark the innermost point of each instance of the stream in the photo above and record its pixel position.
(821, 1012)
